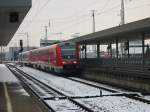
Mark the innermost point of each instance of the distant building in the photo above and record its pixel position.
(12, 54)
(44, 42)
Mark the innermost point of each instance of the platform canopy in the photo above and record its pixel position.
(12, 13)
(130, 31)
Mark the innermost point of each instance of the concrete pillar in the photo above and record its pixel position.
(111, 50)
(81, 51)
(98, 51)
(85, 52)
(1, 54)
(117, 48)
(143, 45)
(128, 49)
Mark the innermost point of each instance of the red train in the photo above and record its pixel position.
(60, 58)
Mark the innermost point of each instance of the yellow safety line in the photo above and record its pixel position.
(8, 101)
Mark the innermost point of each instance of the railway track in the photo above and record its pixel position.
(56, 99)
(132, 95)
(48, 95)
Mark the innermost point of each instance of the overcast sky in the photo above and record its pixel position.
(68, 17)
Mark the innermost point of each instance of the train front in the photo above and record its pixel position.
(70, 57)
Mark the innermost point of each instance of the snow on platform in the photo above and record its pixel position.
(6, 75)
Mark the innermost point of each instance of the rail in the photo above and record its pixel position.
(131, 95)
(25, 78)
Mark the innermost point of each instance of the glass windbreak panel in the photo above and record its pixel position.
(103, 51)
(68, 52)
(135, 48)
(91, 51)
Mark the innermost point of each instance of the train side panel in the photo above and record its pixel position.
(59, 58)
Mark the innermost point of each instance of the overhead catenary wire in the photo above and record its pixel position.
(102, 12)
(83, 20)
(78, 11)
(70, 25)
(71, 21)
(74, 18)
(38, 12)
(73, 24)
(67, 20)
(41, 8)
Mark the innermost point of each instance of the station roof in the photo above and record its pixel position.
(129, 31)
(12, 13)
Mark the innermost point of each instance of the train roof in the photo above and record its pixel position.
(41, 48)
(66, 43)
(46, 47)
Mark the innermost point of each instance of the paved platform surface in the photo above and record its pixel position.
(13, 98)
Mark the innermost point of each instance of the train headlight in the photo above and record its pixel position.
(63, 62)
(75, 62)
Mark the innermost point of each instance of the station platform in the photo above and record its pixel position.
(13, 98)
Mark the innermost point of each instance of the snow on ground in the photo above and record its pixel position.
(69, 87)
(6, 75)
(115, 104)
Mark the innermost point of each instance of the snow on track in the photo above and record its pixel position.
(100, 85)
(98, 104)
(63, 106)
(115, 104)
(70, 88)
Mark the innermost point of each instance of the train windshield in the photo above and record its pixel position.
(68, 51)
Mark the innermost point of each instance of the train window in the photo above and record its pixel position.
(67, 43)
(68, 47)
(68, 51)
